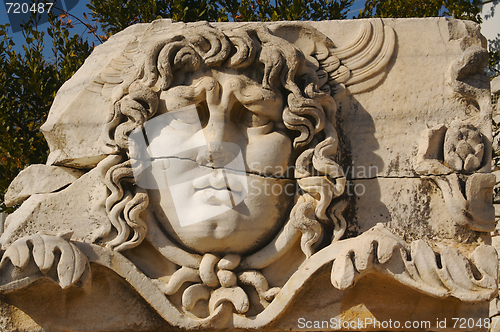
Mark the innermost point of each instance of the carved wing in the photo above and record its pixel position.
(352, 68)
(120, 71)
(362, 63)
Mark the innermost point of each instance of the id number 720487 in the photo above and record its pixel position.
(24, 8)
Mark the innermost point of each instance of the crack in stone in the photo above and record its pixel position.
(229, 169)
(249, 172)
(401, 177)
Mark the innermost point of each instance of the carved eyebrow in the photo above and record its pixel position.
(181, 96)
(260, 100)
(252, 94)
(253, 97)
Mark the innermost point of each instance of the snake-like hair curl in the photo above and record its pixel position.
(310, 112)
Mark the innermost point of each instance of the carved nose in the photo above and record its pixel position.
(217, 154)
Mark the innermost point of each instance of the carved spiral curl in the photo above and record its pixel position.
(124, 208)
(309, 111)
(318, 175)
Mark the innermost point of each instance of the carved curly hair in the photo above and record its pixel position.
(310, 111)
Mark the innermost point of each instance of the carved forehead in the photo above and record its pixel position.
(252, 74)
(225, 84)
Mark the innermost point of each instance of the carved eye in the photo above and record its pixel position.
(187, 117)
(193, 115)
(255, 120)
(250, 119)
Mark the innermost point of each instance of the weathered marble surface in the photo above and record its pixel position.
(381, 128)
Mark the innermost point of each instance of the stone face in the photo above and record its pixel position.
(268, 176)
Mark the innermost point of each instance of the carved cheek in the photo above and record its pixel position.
(268, 154)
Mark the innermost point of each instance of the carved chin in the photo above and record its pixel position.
(208, 225)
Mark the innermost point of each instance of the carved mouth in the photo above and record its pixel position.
(218, 190)
(214, 196)
(218, 184)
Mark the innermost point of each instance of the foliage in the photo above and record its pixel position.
(462, 9)
(494, 60)
(28, 85)
(115, 15)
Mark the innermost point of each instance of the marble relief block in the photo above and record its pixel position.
(276, 176)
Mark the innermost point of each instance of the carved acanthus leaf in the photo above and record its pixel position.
(448, 273)
(41, 250)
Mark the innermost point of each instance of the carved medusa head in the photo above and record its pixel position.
(219, 160)
(256, 96)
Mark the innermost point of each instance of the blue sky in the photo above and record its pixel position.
(80, 7)
(490, 27)
(77, 11)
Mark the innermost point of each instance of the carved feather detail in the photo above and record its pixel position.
(119, 71)
(362, 63)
